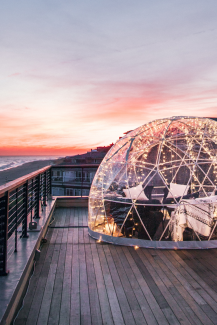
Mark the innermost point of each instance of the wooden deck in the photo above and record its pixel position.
(79, 281)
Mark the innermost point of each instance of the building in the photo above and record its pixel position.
(74, 175)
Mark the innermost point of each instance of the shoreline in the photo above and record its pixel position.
(13, 173)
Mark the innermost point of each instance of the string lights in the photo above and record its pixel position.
(177, 150)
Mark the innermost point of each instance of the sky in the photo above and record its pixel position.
(75, 75)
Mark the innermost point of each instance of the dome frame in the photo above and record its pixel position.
(157, 186)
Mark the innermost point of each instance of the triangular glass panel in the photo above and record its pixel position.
(195, 125)
(116, 213)
(183, 174)
(97, 217)
(169, 172)
(111, 170)
(206, 174)
(154, 187)
(178, 148)
(118, 151)
(142, 173)
(132, 175)
(148, 221)
(154, 127)
(117, 186)
(160, 129)
(208, 149)
(199, 181)
(176, 129)
(146, 157)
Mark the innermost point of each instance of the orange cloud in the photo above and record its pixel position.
(39, 150)
(97, 118)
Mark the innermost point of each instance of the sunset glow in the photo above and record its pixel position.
(75, 76)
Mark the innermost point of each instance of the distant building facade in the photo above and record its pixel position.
(74, 175)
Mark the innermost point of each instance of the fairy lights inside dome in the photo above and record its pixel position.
(157, 186)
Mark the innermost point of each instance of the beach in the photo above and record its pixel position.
(27, 168)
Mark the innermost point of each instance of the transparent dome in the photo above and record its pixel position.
(158, 184)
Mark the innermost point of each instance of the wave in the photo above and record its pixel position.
(7, 166)
(15, 161)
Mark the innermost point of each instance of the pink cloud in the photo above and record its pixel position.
(14, 74)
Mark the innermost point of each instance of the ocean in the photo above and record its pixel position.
(7, 162)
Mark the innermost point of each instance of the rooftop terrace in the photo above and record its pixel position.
(80, 281)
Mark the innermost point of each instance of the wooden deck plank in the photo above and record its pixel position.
(208, 294)
(191, 295)
(84, 292)
(75, 210)
(178, 312)
(67, 218)
(48, 291)
(80, 216)
(122, 299)
(38, 296)
(58, 284)
(113, 300)
(79, 281)
(204, 267)
(207, 257)
(102, 292)
(70, 236)
(163, 304)
(64, 318)
(186, 299)
(161, 319)
(96, 316)
(204, 290)
(71, 217)
(75, 288)
(147, 312)
(201, 267)
(85, 223)
(134, 304)
(75, 230)
(60, 217)
(171, 284)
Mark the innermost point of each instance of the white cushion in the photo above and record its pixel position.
(177, 190)
(208, 199)
(135, 193)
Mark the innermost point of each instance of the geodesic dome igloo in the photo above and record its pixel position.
(156, 187)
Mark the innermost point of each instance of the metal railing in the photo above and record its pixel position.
(74, 179)
(19, 203)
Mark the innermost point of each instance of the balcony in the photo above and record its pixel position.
(78, 280)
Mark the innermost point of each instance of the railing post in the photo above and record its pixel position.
(25, 217)
(4, 207)
(31, 197)
(15, 248)
(50, 184)
(81, 180)
(45, 189)
(37, 207)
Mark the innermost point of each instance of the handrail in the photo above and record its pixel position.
(21, 180)
(76, 166)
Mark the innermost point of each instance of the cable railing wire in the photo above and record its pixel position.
(18, 206)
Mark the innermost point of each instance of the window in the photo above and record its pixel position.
(70, 192)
